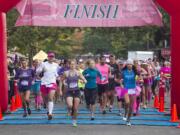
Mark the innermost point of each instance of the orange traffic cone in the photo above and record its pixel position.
(174, 116)
(1, 116)
(161, 106)
(13, 106)
(156, 102)
(18, 101)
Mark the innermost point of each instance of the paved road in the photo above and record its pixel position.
(86, 130)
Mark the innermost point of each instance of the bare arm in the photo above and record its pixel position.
(82, 77)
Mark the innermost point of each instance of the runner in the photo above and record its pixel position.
(129, 80)
(114, 70)
(91, 73)
(146, 73)
(36, 87)
(58, 94)
(103, 86)
(118, 83)
(48, 82)
(61, 71)
(72, 93)
(81, 85)
(139, 87)
(165, 73)
(157, 77)
(153, 74)
(25, 76)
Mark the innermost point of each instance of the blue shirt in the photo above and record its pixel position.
(129, 79)
(91, 75)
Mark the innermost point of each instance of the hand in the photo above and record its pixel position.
(81, 81)
(85, 81)
(58, 78)
(33, 82)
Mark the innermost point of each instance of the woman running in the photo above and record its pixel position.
(114, 70)
(118, 83)
(129, 81)
(48, 82)
(165, 74)
(103, 85)
(36, 88)
(81, 85)
(25, 77)
(91, 73)
(146, 73)
(72, 91)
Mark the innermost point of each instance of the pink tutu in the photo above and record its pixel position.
(138, 91)
(121, 92)
(45, 89)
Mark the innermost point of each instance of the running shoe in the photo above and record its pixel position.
(44, 106)
(50, 117)
(39, 109)
(124, 119)
(104, 112)
(92, 118)
(74, 124)
(128, 123)
(110, 109)
(120, 114)
(29, 111)
(25, 115)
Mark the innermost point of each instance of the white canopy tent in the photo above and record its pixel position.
(41, 56)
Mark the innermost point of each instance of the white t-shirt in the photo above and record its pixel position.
(50, 72)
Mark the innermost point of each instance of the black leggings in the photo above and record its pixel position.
(90, 96)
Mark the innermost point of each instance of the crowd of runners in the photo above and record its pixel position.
(93, 82)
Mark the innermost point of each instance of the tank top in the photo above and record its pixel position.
(104, 70)
(72, 82)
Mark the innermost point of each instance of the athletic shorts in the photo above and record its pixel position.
(35, 88)
(91, 96)
(121, 92)
(24, 88)
(45, 89)
(73, 94)
(147, 82)
(102, 88)
(112, 84)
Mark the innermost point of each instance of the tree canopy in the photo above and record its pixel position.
(67, 42)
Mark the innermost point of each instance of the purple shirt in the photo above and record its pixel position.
(25, 77)
(62, 70)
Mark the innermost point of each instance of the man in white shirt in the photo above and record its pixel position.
(48, 82)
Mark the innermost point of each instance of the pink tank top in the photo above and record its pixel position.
(104, 70)
(166, 70)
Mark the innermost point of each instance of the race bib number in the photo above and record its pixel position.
(131, 91)
(24, 83)
(73, 85)
(104, 78)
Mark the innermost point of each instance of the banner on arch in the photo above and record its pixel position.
(88, 13)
